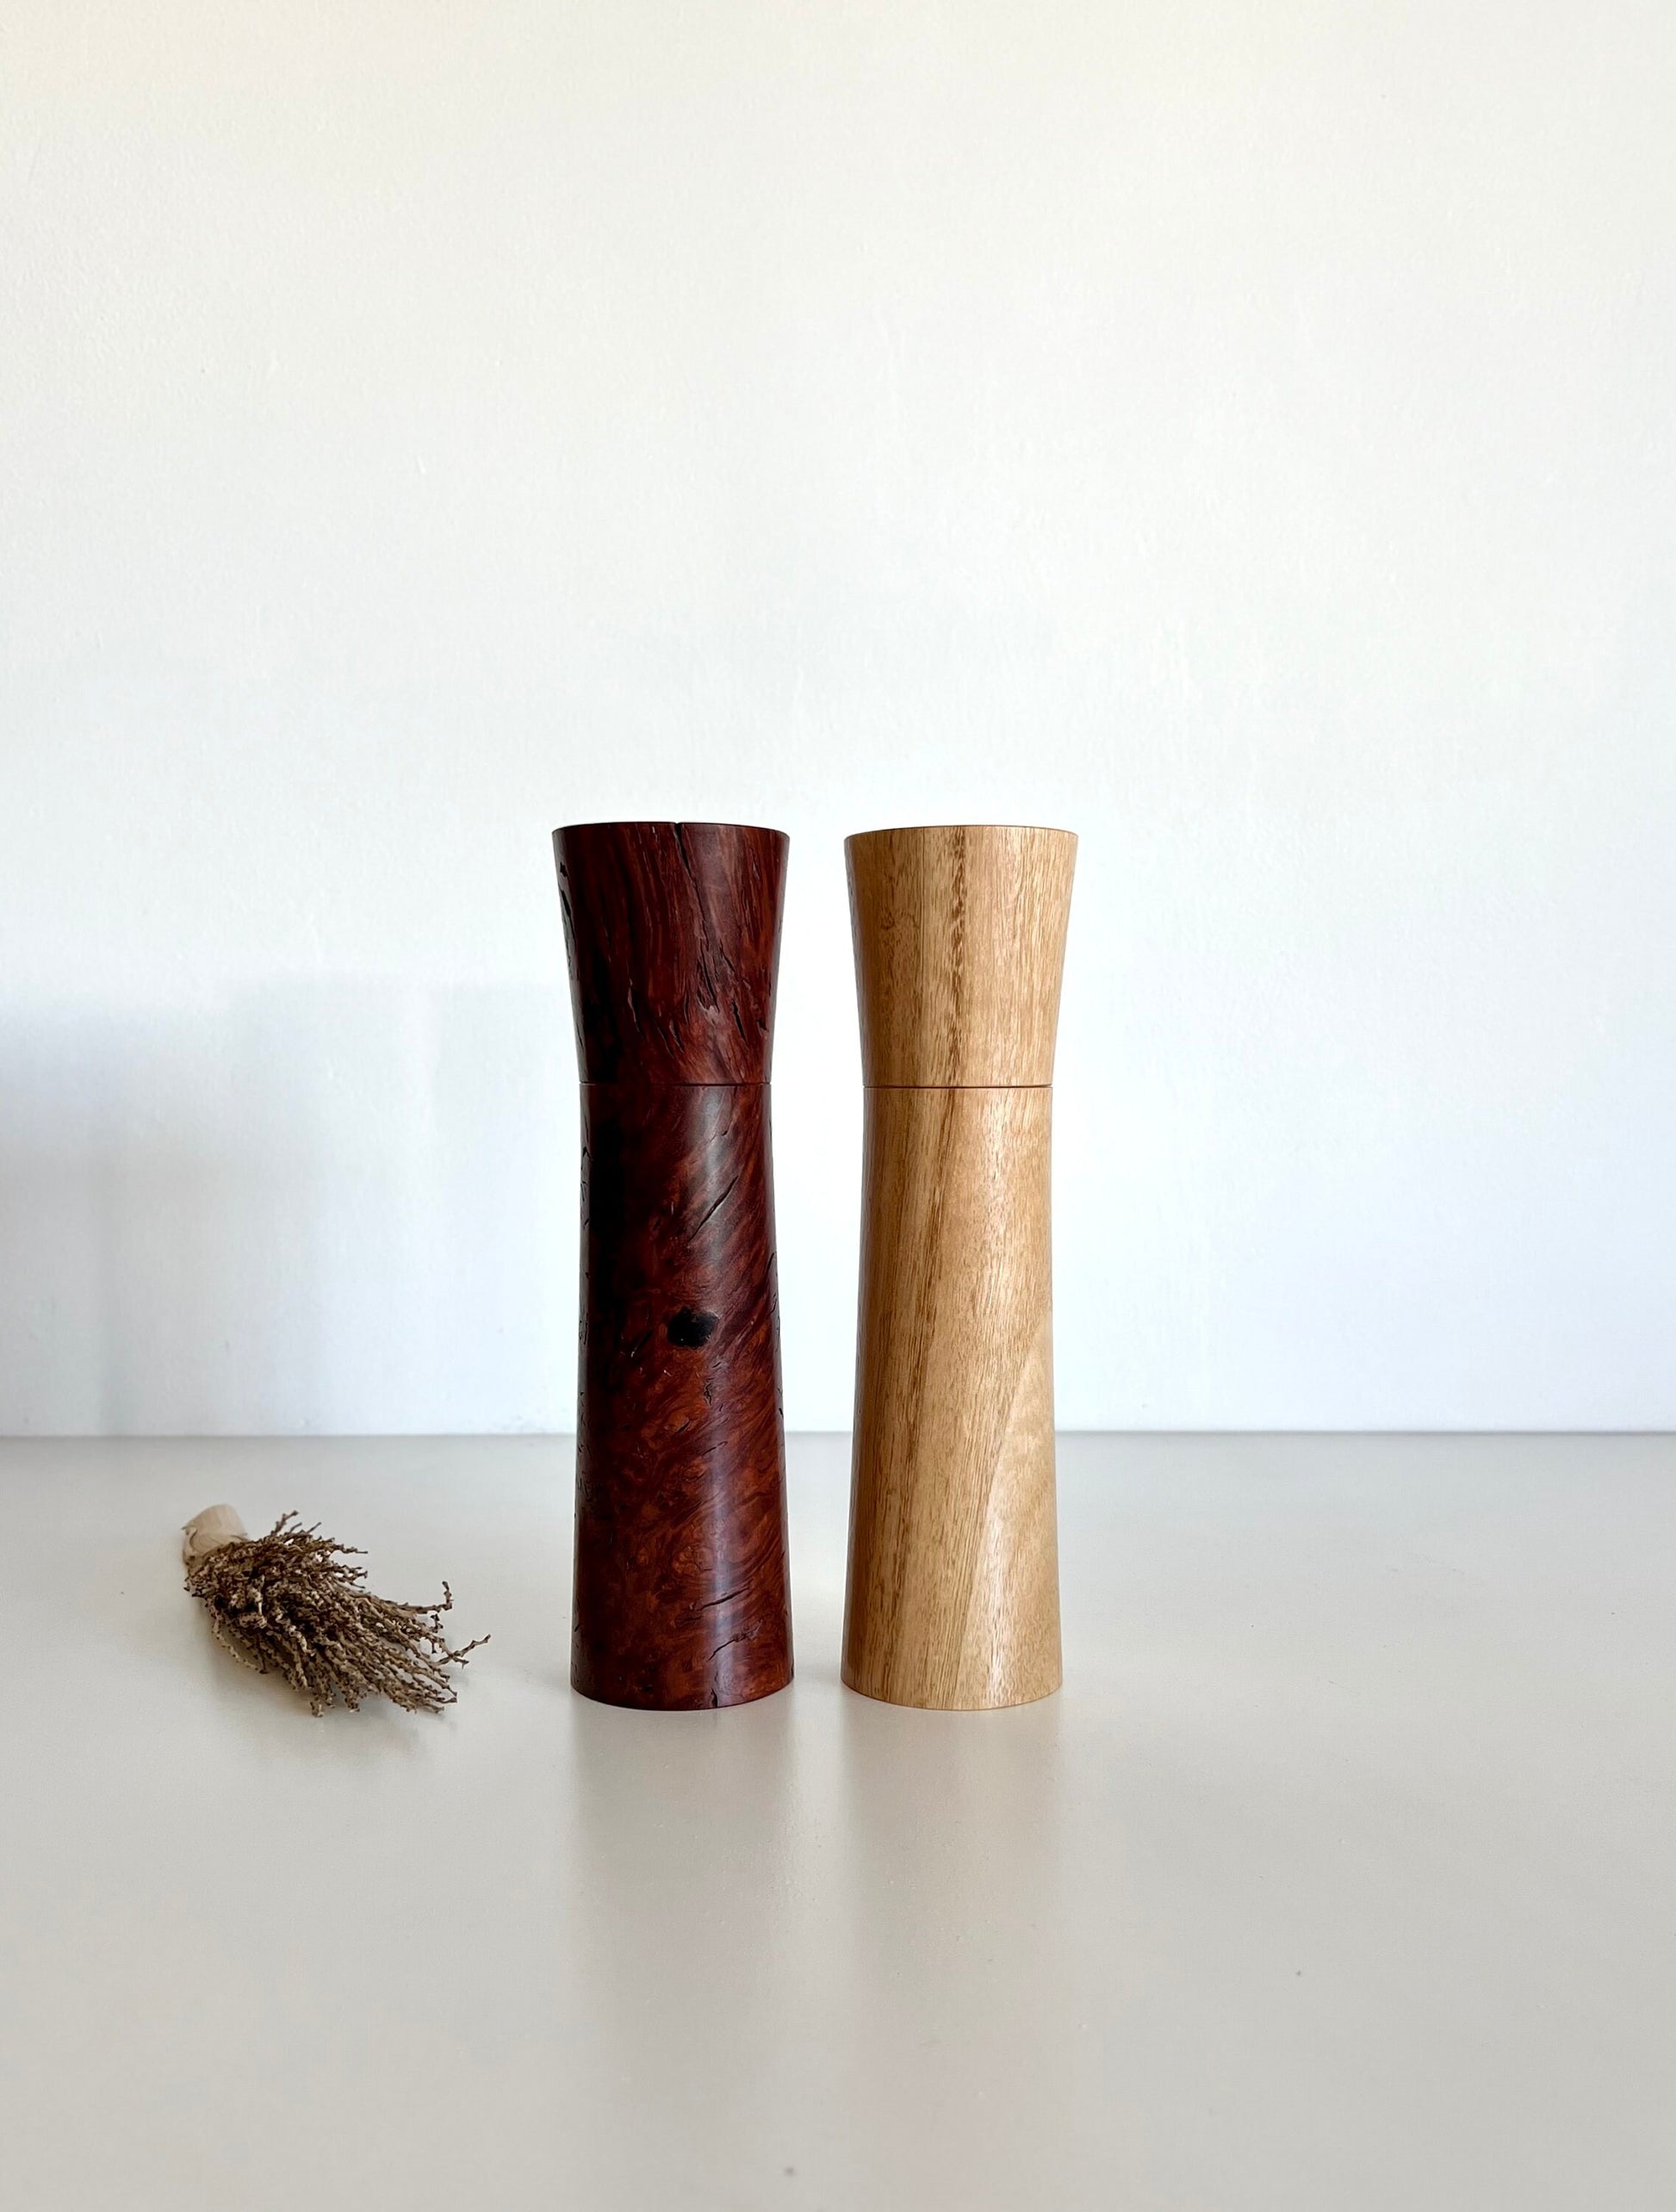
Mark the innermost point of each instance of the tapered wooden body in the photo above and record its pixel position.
(954, 1570)
(673, 933)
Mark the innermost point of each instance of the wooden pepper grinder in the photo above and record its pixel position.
(953, 1598)
(672, 933)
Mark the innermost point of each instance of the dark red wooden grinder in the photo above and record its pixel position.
(673, 932)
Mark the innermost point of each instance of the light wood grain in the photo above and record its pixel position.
(959, 942)
(952, 1599)
(209, 1531)
(953, 1577)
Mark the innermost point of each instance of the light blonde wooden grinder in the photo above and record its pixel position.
(954, 1597)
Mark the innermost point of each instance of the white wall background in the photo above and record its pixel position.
(1238, 430)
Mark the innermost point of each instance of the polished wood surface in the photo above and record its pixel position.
(672, 933)
(953, 1598)
(959, 942)
(681, 1596)
(953, 1585)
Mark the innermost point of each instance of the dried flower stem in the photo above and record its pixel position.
(289, 1603)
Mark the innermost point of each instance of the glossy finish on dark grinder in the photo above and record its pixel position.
(672, 933)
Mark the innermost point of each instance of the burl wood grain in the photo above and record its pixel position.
(952, 1598)
(673, 933)
(681, 1596)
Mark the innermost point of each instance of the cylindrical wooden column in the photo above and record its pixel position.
(953, 1598)
(672, 933)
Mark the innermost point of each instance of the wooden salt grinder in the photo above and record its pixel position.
(673, 933)
(954, 1597)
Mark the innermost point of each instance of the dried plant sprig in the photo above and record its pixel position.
(290, 1603)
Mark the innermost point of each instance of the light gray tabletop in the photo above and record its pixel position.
(1341, 1874)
